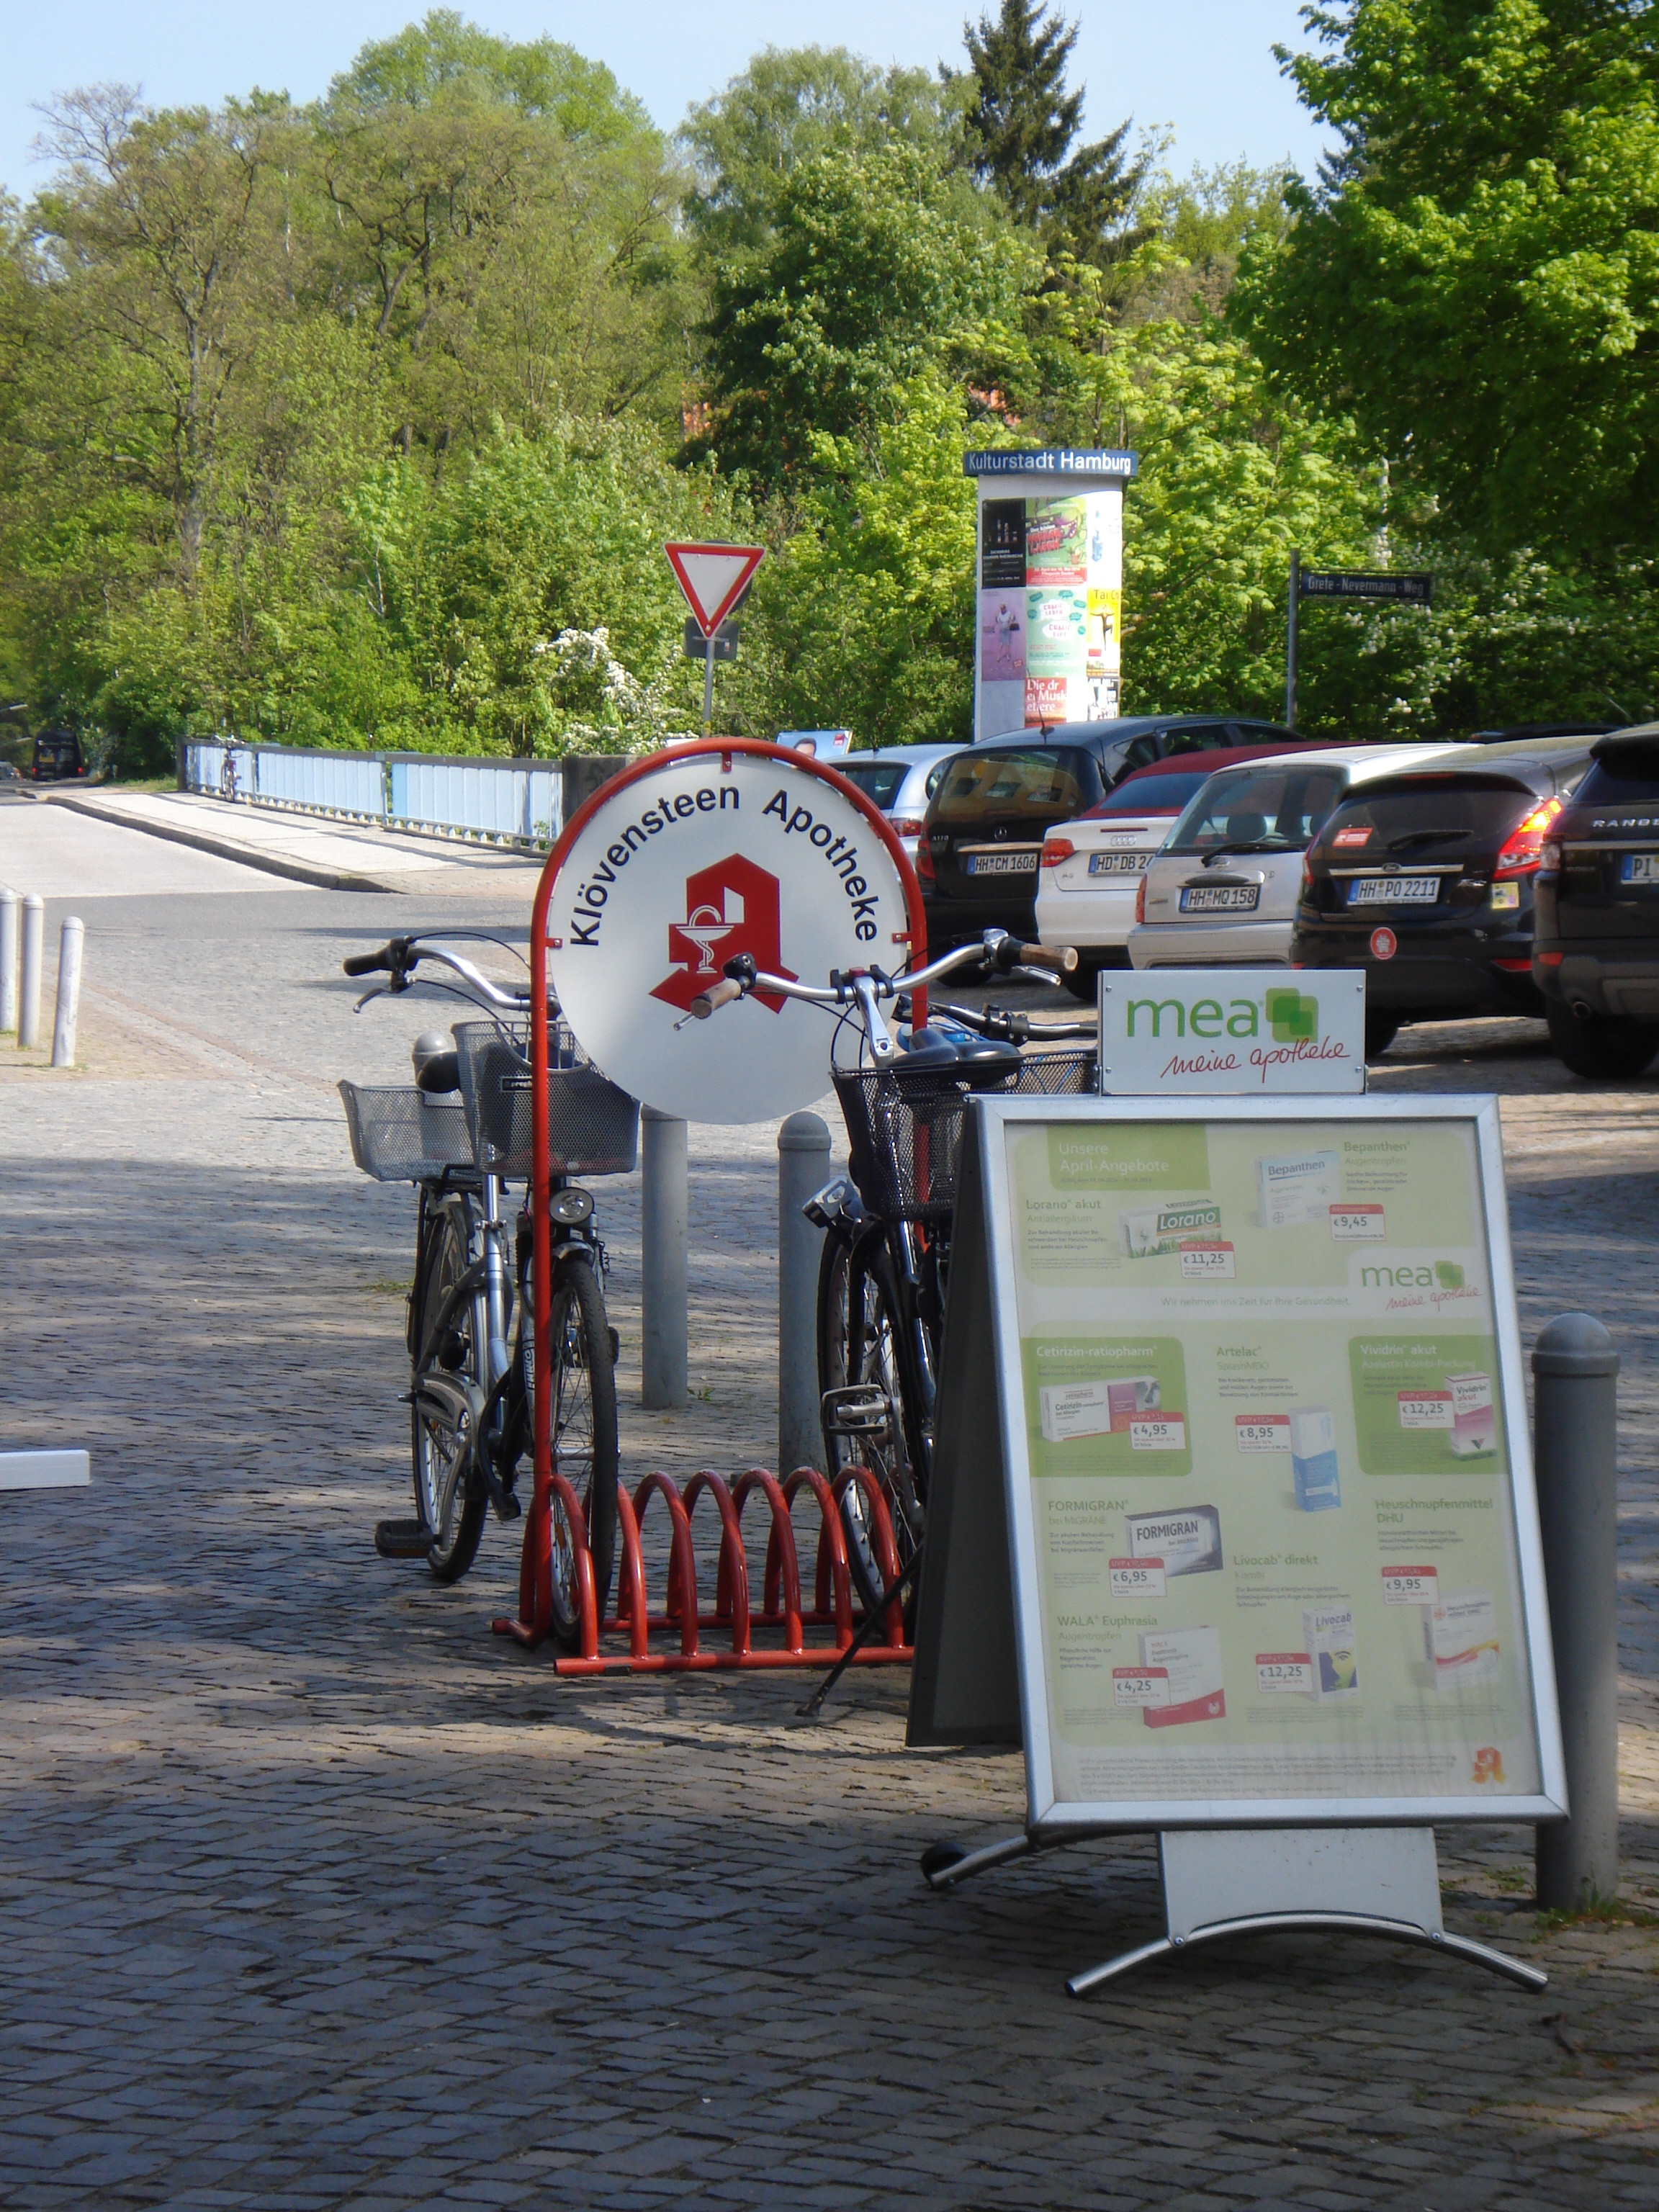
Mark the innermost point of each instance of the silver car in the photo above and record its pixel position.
(1222, 890)
(900, 780)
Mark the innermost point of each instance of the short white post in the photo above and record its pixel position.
(663, 1299)
(8, 963)
(71, 939)
(34, 925)
(803, 1169)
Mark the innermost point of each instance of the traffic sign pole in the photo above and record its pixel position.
(1290, 641)
(708, 686)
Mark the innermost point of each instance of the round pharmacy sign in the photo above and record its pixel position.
(689, 858)
(1384, 944)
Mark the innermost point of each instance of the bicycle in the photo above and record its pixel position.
(462, 1133)
(886, 1263)
(228, 782)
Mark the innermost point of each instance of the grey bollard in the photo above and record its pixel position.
(803, 1168)
(663, 1258)
(71, 943)
(8, 963)
(1576, 1371)
(28, 1014)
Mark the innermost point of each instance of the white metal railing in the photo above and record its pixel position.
(511, 802)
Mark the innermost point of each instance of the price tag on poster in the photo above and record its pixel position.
(1268, 1534)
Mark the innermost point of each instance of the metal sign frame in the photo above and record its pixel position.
(1049, 1820)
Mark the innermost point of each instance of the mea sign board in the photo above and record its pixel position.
(685, 860)
(1203, 1032)
(1232, 1518)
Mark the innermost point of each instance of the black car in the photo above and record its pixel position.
(1425, 879)
(977, 858)
(1596, 950)
(57, 756)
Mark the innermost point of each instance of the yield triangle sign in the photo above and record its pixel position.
(712, 577)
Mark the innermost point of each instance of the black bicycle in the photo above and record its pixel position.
(462, 1133)
(886, 1265)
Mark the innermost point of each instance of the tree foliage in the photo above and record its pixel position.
(1476, 278)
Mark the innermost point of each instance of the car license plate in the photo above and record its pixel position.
(1118, 864)
(1640, 868)
(999, 864)
(1221, 898)
(1394, 891)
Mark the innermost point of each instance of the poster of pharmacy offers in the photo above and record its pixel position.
(1275, 1536)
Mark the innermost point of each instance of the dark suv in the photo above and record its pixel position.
(57, 756)
(1424, 878)
(977, 858)
(1595, 953)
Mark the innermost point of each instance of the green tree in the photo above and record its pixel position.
(1022, 132)
(1476, 278)
(868, 281)
(789, 106)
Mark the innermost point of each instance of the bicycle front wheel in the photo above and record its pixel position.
(584, 1426)
(872, 1424)
(446, 1499)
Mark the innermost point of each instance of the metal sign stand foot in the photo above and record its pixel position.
(1256, 1881)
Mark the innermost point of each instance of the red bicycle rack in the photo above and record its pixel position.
(782, 1620)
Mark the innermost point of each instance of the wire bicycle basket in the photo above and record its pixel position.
(904, 1125)
(399, 1134)
(593, 1125)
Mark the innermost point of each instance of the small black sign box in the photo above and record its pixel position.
(1002, 545)
(1333, 584)
(725, 641)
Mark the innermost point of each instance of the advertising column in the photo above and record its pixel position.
(1051, 587)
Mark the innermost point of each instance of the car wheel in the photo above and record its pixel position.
(1381, 1031)
(1083, 980)
(1601, 1047)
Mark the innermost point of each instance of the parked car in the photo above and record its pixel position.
(1090, 870)
(997, 800)
(1516, 732)
(1257, 820)
(9, 773)
(1595, 943)
(57, 756)
(1424, 878)
(900, 780)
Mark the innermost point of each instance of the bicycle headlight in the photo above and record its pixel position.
(570, 1206)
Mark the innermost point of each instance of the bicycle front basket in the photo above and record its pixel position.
(592, 1126)
(400, 1135)
(904, 1125)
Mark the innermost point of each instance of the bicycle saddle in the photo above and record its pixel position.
(978, 1061)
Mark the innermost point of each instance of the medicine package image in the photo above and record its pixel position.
(1328, 1631)
(1188, 1539)
(1296, 1189)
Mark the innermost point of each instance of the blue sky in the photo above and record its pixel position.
(1203, 68)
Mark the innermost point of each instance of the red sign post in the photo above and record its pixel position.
(714, 578)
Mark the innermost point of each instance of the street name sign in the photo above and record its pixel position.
(1336, 584)
(712, 577)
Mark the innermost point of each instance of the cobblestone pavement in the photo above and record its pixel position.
(313, 1893)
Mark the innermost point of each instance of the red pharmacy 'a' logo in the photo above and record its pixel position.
(731, 907)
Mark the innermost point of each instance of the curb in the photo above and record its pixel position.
(269, 864)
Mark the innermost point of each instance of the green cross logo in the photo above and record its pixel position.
(1448, 1274)
(1292, 1017)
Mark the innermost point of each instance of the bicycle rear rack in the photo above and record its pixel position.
(776, 1635)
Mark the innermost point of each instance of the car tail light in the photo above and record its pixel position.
(905, 825)
(1515, 967)
(1140, 898)
(1549, 959)
(1306, 892)
(1552, 856)
(1522, 852)
(924, 863)
(1055, 850)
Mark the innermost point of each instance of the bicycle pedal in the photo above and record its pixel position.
(856, 1410)
(404, 1539)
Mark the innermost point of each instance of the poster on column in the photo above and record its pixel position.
(1274, 1539)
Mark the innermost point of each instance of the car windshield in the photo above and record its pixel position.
(1156, 794)
(1624, 776)
(1258, 810)
(878, 780)
(1046, 782)
(1467, 814)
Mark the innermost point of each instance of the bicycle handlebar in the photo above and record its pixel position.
(717, 994)
(399, 958)
(369, 963)
(1053, 960)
